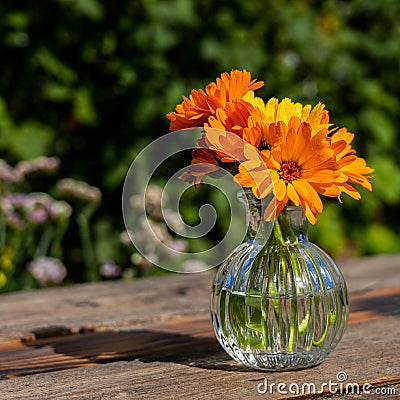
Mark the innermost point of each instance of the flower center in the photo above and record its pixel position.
(289, 171)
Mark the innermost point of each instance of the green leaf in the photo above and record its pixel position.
(5, 120)
(380, 126)
(84, 109)
(56, 92)
(56, 68)
(329, 231)
(387, 179)
(30, 140)
(91, 9)
(379, 239)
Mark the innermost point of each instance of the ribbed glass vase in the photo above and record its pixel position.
(278, 302)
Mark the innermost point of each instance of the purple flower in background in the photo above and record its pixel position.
(12, 201)
(47, 165)
(38, 215)
(110, 270)
(9, 174)
(14, 220)
(40, 199)
(125, 239)
(47, 270)
(35, 207)
(78, 190)
(179, 245)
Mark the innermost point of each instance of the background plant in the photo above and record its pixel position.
(32, 226)
(91, 81)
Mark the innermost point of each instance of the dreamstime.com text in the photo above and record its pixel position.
(339, 386)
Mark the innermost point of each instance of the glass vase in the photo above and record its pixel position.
(278, 302)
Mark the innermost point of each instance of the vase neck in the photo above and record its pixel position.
(290, 226)
(257, 228)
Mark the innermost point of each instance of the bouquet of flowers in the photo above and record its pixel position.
(279, 304)
(271, 146)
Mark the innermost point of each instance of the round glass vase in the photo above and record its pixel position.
(278, 302)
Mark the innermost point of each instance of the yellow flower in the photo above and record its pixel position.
(274, 111)
(6, 259)
(3, 279)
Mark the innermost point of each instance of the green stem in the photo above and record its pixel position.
(278, 233)
(264, 324)
(56, 248)
(87, 245)
(19, 246)
(303, 325)
(272, 292)
(283, 230)
(29, 237)
(283, 239)
(333, 317)
(3, 232)
(293, 307)
(321, 340)
(292, 325)
(3, 225)
(44, 242)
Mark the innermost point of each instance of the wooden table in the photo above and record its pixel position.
(152, 339)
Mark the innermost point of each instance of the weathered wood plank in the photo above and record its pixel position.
(178, 332)
(108, 304)
(167, 344)
(84, 307)
(187, 341)
(204, 371)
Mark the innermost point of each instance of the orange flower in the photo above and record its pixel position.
(195, 110)
(242, 119)
(283, 150)
(203, 163)
(352, 167)
(300, 166)
(227, 146)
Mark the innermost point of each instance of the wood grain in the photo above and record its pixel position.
(59, 349)
(113, 304)
(184, 368)
(152, 338)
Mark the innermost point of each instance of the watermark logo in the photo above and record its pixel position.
(340, 385)
(149, 239)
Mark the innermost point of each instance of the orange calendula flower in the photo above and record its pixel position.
(281, 149)
(226, 145)
(300, 167)
(240, 118)
(204, 162)
(354, 168)
(195, 110)
(219, 143)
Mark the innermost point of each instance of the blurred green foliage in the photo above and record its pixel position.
(91, 81)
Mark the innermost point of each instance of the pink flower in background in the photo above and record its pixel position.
(47, 270)
(110, 270)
